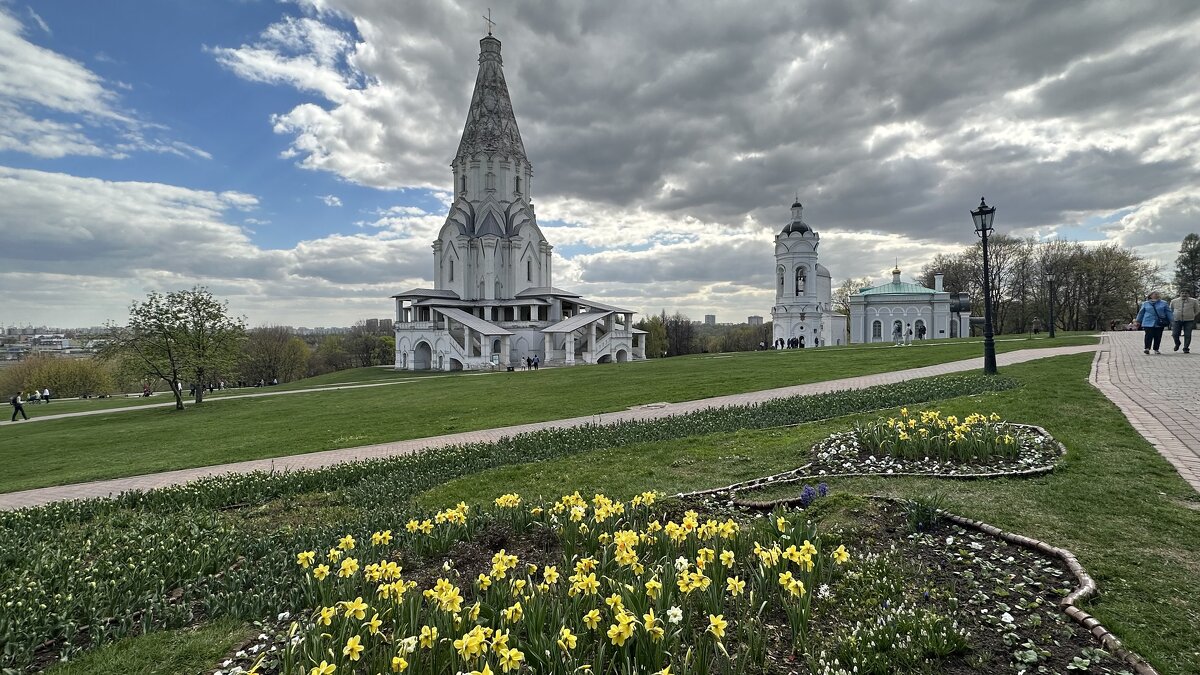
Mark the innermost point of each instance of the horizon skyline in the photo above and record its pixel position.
(293, 156)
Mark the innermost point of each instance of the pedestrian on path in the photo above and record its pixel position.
(46, 395)
(15, 402)
(1153, 316)
(1184, 310)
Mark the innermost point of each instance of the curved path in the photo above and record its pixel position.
(314, 460)
(1160, 395)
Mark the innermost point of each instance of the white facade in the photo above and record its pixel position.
(803, 312)
(493, 303)
(901, 312)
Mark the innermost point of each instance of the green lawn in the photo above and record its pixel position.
(178, 652)
(1116, 503)
(129, 443)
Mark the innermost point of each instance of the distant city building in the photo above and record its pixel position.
(803, 313)
(754, 320)
(710, 319)
(889, 311)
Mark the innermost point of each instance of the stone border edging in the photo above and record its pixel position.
(791, 475)
(1086, 588)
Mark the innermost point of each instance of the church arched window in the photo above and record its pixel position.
(517, 185)
(463, 182)
(528, 270)
(877, 330)
(451, 270)
(801, 279)
(490, 181)
(779, 274)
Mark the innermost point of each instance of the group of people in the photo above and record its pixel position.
(20, 398)
(531, 362)
(791, 343)
(905, 337)
(1156, 315)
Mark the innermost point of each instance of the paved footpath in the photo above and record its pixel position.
(314, 460)
(1160, 395)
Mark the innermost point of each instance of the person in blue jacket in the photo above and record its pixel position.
(1153, 317)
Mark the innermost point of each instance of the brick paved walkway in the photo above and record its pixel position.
(1160, 395)
(314, 460)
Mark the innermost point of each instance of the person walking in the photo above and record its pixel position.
(1184, 310)
(45, 395)
(1153, 316)
(537, 362)
(15, 402)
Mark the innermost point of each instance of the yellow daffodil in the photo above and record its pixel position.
(323, 669)
(373, 625)
(592, 619)
(428, 637)
(735, 586)
(841, 555)
(399, 664)
(355, 608)
(510, 659)
(353, 648)
(348, 568)
(717, 625)
(306, 558)
(320, 572)
(346, 543)
(727, 558)
(550, 574)
(566, 639)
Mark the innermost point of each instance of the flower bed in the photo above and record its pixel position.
(925, 442)
(606, 587)
(104, 569)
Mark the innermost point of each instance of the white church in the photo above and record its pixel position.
(493, 303)
(803, 313)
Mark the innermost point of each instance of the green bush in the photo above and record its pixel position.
(64, 377)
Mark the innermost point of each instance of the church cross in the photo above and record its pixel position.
(488, 20)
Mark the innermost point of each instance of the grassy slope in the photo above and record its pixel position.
(1117, 504)
(130, 443)
(181, 652)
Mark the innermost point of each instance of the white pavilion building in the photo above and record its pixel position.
(877, 313)
(493, 303)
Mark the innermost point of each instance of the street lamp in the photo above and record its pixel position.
(1050, 281)
(983, 227)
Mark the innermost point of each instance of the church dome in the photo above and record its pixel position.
(796, 226)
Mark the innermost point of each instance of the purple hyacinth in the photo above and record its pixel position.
(807, 496)
(822, 490)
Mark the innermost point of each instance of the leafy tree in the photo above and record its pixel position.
(1187, 265)
(842, 294)
(272, 352)
(656, 336)
(330, 355)
(681, 334)
(181, 334)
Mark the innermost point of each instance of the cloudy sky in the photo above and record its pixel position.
(293, 156)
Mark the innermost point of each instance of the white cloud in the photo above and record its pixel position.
(52, 106)
(330, 200)
(39, 21)
(99, 244)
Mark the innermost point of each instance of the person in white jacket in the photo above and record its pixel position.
(1184, 310)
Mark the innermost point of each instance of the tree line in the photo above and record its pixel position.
(1094, 284)
(189, 339)
(677, 335)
